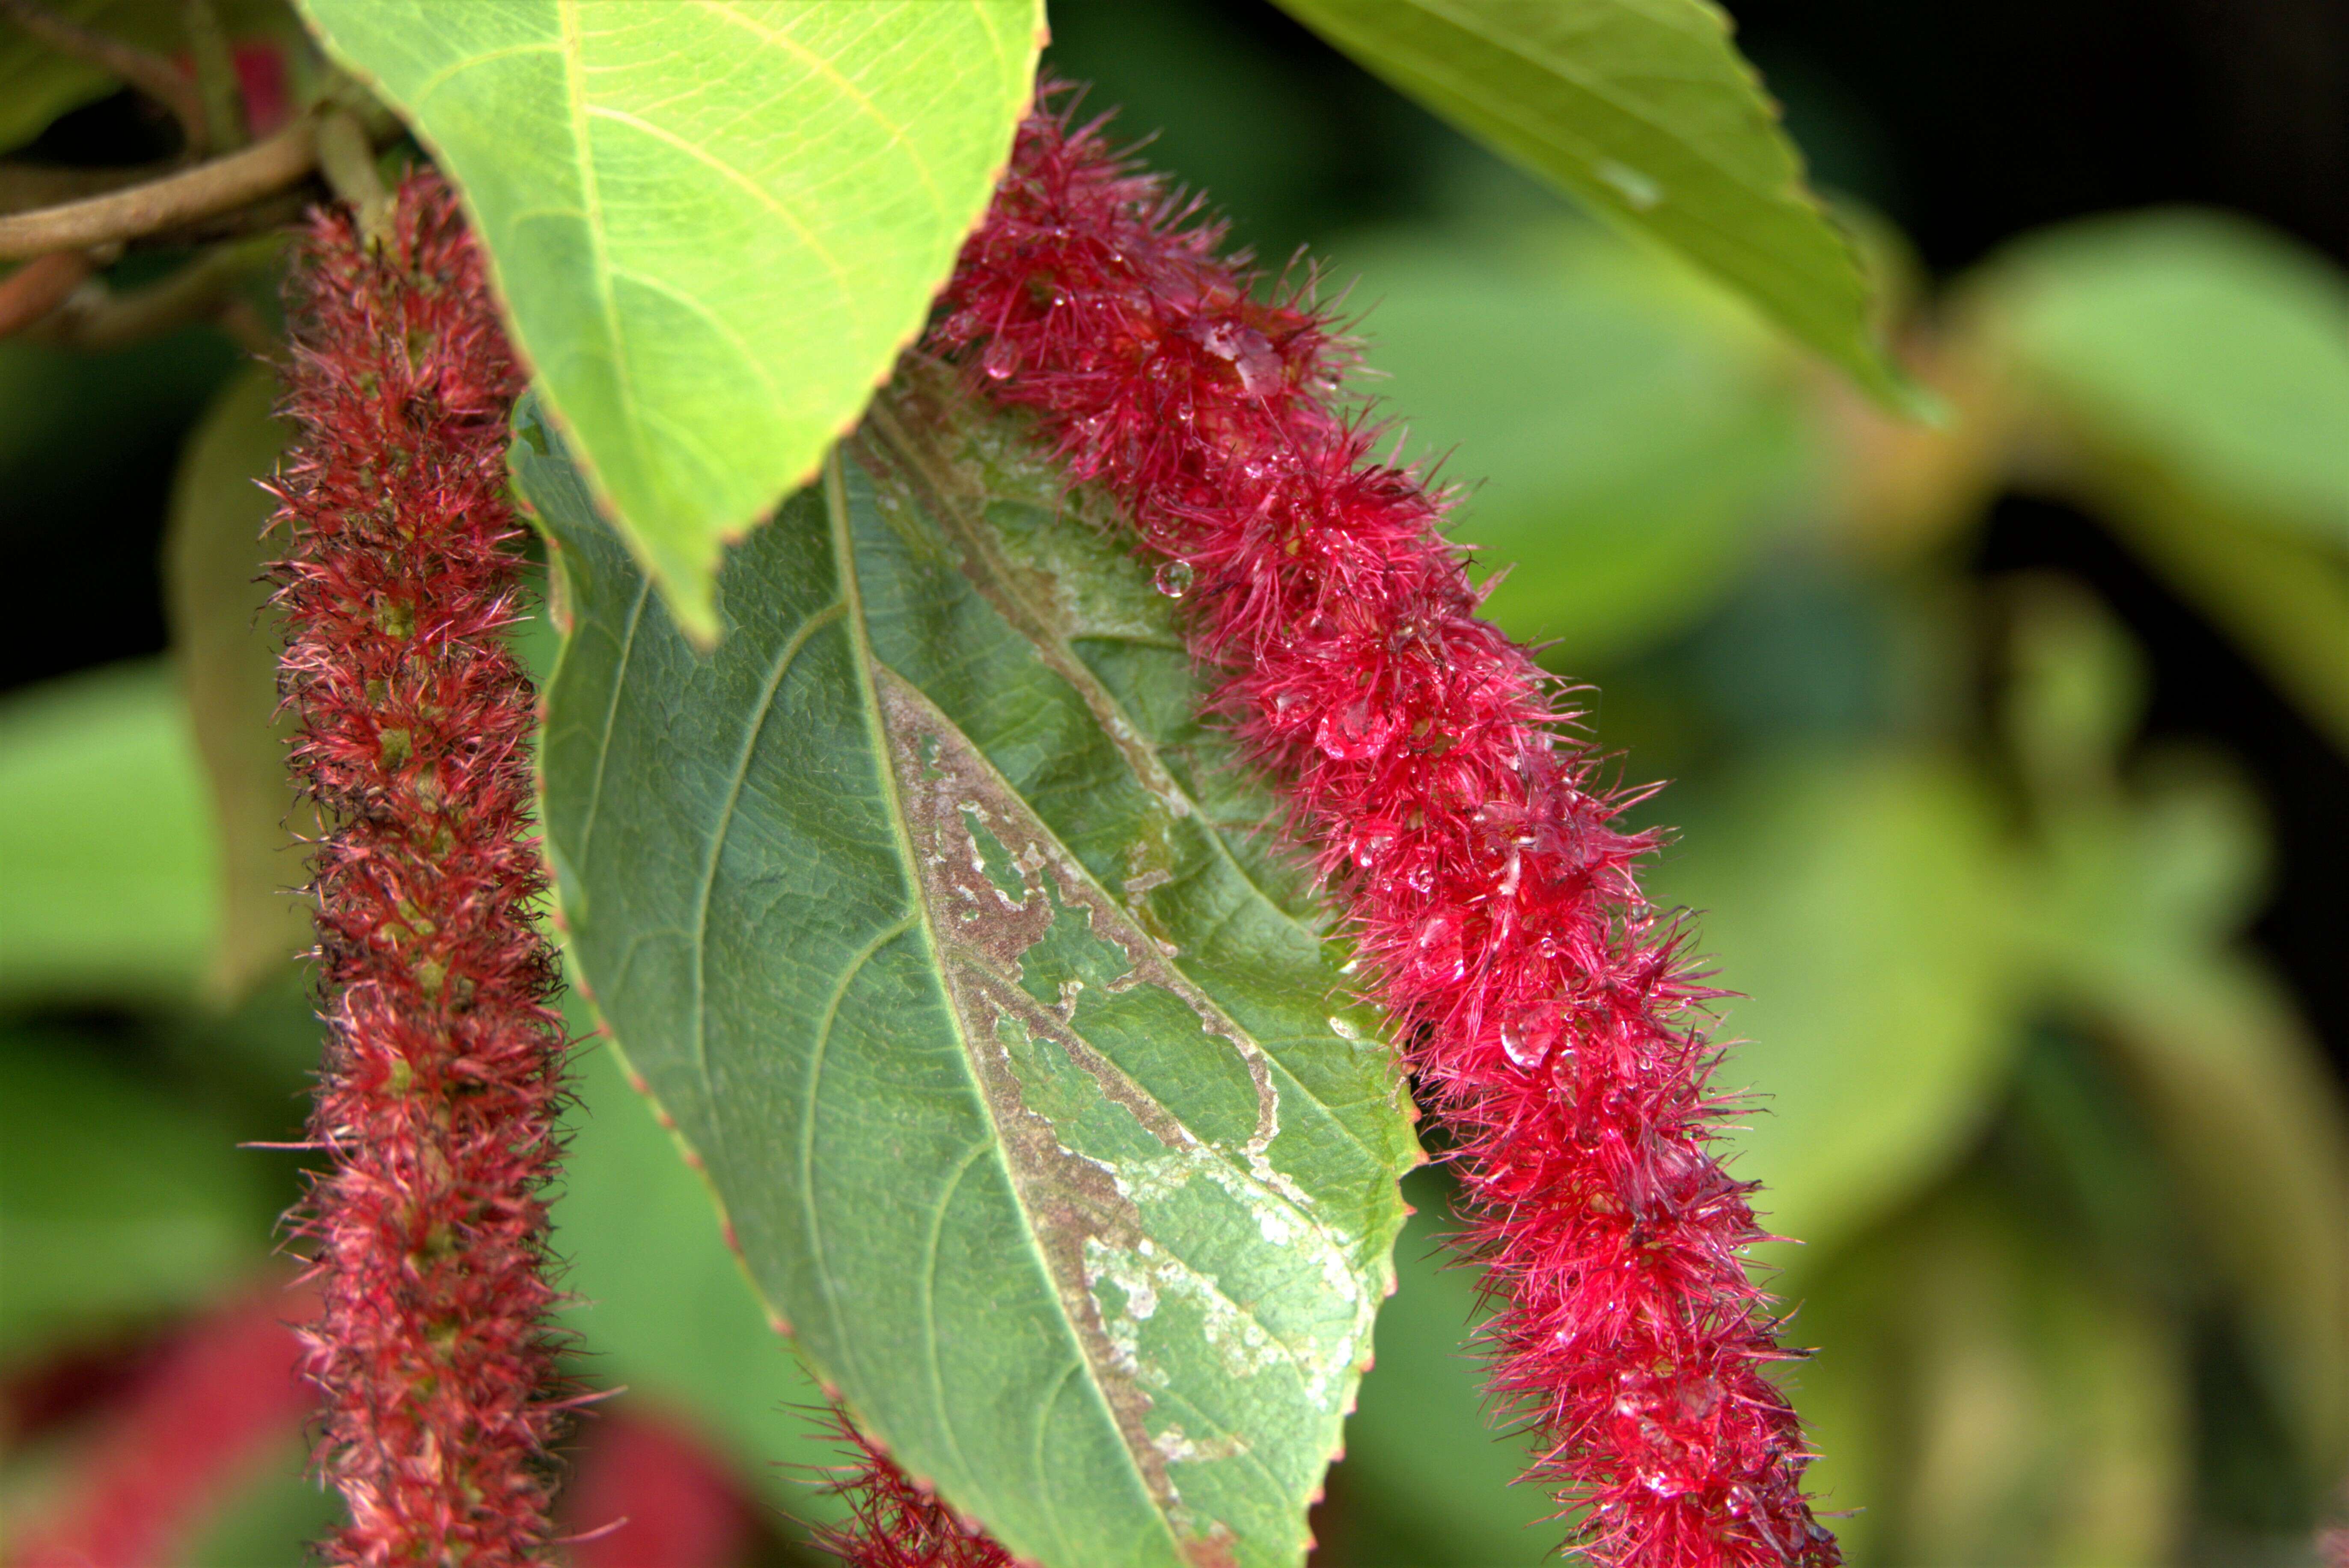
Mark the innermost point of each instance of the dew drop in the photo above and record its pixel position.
(1438, 941)
(1252, 355)
(1173, 578)
(1528, 1038)
(1353, 734)
(996, 363)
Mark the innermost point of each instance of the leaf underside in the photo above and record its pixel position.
(1643, 110)
(714, 223)
(957, 948)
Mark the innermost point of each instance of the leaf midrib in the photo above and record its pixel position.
(1033, 624)
(882, 754)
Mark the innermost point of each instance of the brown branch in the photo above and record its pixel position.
(240, 222)
(150, 73)
(24, 186)
(39, 287)
(197, 292)
(204, 192)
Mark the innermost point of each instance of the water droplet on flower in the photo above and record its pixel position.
(1439, 945)
(1251, 353)
(1353, 733)
(996, 363)
(1173, 578)
(1528, 1038)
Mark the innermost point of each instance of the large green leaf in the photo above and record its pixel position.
(715, 223)
(951, 939)
(1644, 110)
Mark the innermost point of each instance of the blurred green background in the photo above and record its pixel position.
(2007, 762)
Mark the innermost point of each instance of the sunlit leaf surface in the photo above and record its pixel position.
(715, 223)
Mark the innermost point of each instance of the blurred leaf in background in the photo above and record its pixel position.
(2218, 348)
(215, 556)
(2185, 374)
(38, 82)
(158, 1213)
(1856, 902)
(101, 817)
(1624, 437)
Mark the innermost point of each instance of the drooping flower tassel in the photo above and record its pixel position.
(1546, 1010)
(444, 1056)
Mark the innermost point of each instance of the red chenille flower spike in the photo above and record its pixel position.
(1546, 1012)
(444, 1055)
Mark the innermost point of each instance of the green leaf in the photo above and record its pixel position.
(951, 938)
(108, 869)
(2250, 1119)
(1645, 111)
(2281, 597)
(714, 223)
(226, 645)
(2214, 349)
(2199, 365)
(1626, 445)
(117, 1199)
(1854, 904)
(2143, 893)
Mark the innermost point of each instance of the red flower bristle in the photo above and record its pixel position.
(1548, 1013)
(891, 1522)
(442, 1078)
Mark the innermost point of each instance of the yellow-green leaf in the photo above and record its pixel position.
(714, 223)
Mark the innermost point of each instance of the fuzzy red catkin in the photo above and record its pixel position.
(1547, 1011)
(444, 1056)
